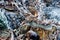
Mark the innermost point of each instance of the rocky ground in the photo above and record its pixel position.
(17, 16)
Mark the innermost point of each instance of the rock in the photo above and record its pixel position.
(47, 1)
(31, 3)
(33, 11)
(10, 8)
(4, 35)
(19, 37)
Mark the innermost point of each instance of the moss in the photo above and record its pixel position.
(2, 25)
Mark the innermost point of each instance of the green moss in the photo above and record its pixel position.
(2, 25)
